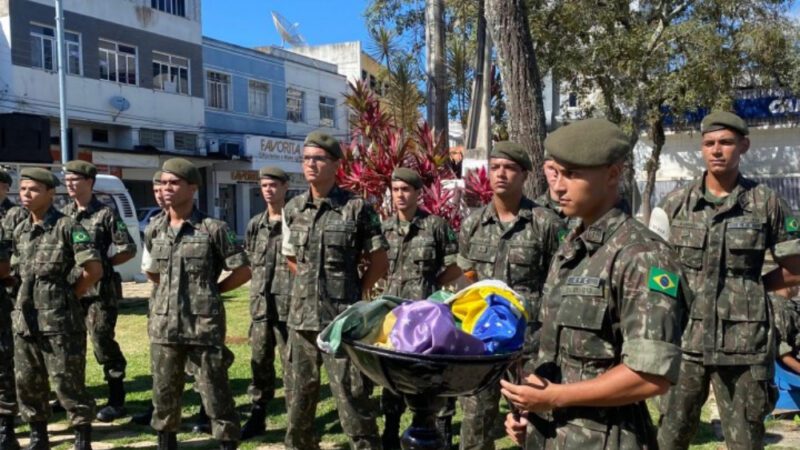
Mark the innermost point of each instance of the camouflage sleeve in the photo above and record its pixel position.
(553, 231)
(369, 229)
(230, 253)
(120, 236)
(784, 229)
(652, 310)
(286, 247)
(250, 237)
(82, 245)
(462, 259)
(448, 245)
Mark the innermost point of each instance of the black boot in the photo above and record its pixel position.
(390, 438)
(227, 445)
(203, 424)
(445, 427)
(83, 437)
(145, 417)
(255, 425)
(8, 437)
(116, 402)
(167, 440)
(38, 437)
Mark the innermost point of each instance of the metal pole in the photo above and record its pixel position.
(62, 80)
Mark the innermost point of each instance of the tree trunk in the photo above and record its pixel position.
(656, 133)
(471, 134)
(436, 67)
(508, 24)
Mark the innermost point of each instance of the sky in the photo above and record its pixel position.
(249, 23)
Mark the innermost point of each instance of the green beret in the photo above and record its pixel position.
(721, 120)
(183, 168)
(273, 172)
(512, 152)
(40, 175)
(83, 168)
(5, 178)
(588, 143)
(407, 175)
(324, 141)
(157, 177)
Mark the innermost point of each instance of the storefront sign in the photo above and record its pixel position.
(266, 150)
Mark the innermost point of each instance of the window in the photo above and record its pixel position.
(177, 7)
(572, 100)
(294, 105)
(44, 49)
(117, 62)
(218, 89)
(99, 135)
(170, 73)
(151, 137)
(185, 141)
(258, 98)
(327, 111)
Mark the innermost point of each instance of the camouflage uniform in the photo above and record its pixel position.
(270, 292)
(614, 295)
(187, 319)
(786, 312)
(327, 237)
(49, 332)
(729, 341)
(418, 253)
(517, 253)
(568, 223)
(101, 302)
(8, 394)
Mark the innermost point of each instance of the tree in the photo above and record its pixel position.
(507, 21)
(436, 67)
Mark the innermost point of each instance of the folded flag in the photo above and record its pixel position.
(493, 313)
(426, 327)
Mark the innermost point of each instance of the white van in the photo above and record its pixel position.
(111, 191)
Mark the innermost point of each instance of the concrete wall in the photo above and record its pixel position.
(314, 84)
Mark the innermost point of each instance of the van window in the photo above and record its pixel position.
(62, 200)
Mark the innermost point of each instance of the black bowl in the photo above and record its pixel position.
(433, 375)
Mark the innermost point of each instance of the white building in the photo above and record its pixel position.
(350, 59)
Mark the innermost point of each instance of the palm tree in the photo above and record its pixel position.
(384, 45)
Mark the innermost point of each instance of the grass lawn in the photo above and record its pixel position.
(132, 336)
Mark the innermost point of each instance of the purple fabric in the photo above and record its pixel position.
(425, 327)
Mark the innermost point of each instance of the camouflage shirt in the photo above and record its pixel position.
(106, 228)
(271, 282)
(722, 251)
(517, 253)
(419, 254)
(187, 307)
(567, 223)
(614, 295)
(328, 238)
(48, 253)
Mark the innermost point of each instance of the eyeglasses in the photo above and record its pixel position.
(315, 159)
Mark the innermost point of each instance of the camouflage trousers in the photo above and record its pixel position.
(481, 412)
(744, 395)
(211, 363)
(101, 320)
(8, 392)
(349, 387)
(63, 359)
(264, 337)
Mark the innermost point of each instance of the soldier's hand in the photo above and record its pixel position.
(516, 429)
(534, 394)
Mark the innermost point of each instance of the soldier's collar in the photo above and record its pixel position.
(417, 221)
(737, 196)
(195, 218)
(50, 218)
(525, 211)
(599, 232)
(336, 198)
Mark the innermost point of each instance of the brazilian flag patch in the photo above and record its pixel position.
(451, 235)
(121, 225)
(231, 237)
(791, 224)
(660, 280)
(80, 237)
(562, 235)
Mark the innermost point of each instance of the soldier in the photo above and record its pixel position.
(8, 394)
(550, 198)
(187, 317)
(721, 226)
(786, 311)
(100, 304)
(612, 312)
(511, 239)
(326, 233)
(422, 258)
(49, 330)
(270, 291)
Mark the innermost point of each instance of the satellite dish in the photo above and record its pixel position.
(287, 30)
(119, 103)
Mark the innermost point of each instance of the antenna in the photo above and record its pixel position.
(287, 30)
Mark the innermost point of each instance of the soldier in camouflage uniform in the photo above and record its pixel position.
(8, 394)
(100, 304)
(721, 226)
(187, 317)
(422, 258)
(49, 331)
(270, 291)
(326, 233)
(511, 239)
(786, 311)
(613, 310)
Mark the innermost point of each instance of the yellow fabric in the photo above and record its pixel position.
(469, 304)
(382, 337)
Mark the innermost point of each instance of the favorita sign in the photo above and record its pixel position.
(284, 153)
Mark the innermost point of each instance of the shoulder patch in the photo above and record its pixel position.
(231, 237)
(660, 280)
(791, 224)
(80, 237)
(562, 235)
(121, 225)
(451, 235)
